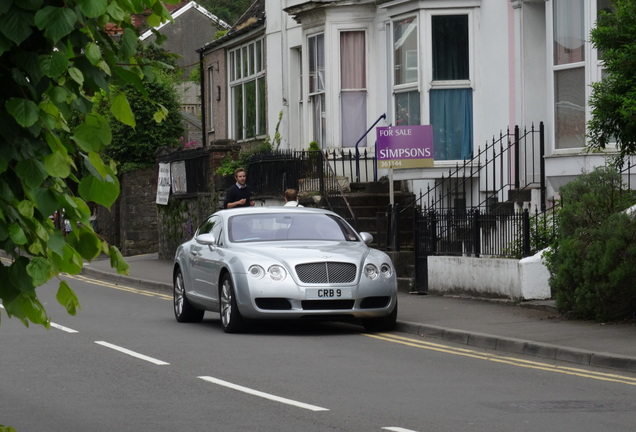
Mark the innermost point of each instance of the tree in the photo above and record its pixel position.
(54, 57)
(613, 100)
(135, 147)
(592, 261)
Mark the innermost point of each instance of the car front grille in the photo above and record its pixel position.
(326, 272)
(327, 304)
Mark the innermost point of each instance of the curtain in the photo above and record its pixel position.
(353, 82)
(452, 122)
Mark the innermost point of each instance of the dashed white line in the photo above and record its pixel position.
(397, 429)
(262, 394)
(132, 353)
(61, 327)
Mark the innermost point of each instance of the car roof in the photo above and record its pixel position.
(272, 210)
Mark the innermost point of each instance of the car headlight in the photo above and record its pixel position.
(256, 271)
(371, 271)
(386, 270)
(277, 272)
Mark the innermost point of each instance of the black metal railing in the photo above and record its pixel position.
(327, 172)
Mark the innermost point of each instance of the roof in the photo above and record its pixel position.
(178, 10)
(253, 18)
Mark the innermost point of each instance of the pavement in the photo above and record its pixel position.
(532, 328)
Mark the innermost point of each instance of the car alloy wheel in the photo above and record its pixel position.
(231, 318)
(183, 309)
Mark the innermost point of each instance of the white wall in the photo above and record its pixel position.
(526, 279)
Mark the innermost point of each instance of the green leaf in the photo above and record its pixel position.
(115, 12)
(94, 134)
(24, 111)
(19, 276)
(67, 298)
(31, 309)
(117, 261)
(31, 171)
(25, 208)
(88, 244)
(103, 192)
(54, 65)
(17, 234)
(58, 165)
(122, 111)
(93, 53)
(40, 270)
(16, 25)
(92, 8)
(69, 261)
(56, 22)
(76, 75)
(161, 114)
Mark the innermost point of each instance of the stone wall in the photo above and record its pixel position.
(131, 223)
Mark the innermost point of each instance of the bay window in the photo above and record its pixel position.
(353, 87)
(316, 49)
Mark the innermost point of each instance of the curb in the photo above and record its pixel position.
(521, 346)
(474, 339)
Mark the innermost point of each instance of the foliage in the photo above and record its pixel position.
(613, 100)
(277, 137)
(54, 57)
(227, 10)
(592, 261)
(160, 115)
(542, 231)
(232, 161)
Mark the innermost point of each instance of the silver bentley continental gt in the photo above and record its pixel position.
(283, 263)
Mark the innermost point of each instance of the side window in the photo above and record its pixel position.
(209, 225)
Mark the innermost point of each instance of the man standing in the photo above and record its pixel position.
(239, 194)
(291, 198)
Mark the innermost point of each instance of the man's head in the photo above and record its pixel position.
(241, 176)
(291, 195)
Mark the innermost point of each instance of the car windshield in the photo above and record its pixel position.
(283, 227)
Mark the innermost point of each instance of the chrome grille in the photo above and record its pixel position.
(326, 272)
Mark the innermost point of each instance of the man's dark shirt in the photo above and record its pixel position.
(234, 193)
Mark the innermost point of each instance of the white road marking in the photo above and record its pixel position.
(263, 395)
(132, 353)
(397, 429)
(61, 327)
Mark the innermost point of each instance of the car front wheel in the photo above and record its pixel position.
(383, 324)
(183, 309)
(231, 318)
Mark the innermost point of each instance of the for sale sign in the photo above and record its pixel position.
(405, 146)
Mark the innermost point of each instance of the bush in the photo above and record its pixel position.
(592, 261)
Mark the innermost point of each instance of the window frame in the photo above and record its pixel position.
(246, 68)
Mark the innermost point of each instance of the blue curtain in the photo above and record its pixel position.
(452, 122)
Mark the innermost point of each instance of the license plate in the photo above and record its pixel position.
(327, 293)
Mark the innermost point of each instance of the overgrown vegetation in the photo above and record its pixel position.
(592, 261)
(134, 148)
(613, 100)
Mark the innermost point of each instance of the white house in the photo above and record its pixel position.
(470, 68)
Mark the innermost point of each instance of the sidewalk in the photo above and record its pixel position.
(534, 328)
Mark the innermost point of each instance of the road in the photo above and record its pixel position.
(124, 363)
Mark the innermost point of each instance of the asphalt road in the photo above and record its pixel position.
(124, 363)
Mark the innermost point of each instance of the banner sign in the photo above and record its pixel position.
(405, 146)
(163, 184)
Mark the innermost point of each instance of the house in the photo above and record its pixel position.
(191, 27)
(469, 68)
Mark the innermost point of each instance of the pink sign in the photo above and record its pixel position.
(405, 146)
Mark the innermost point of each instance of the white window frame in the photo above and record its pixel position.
(243, 70)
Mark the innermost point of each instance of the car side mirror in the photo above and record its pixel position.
(366, 237)
(206, 239)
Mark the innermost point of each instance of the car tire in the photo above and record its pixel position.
(183, 309)
(231, 318)
(383, 324)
